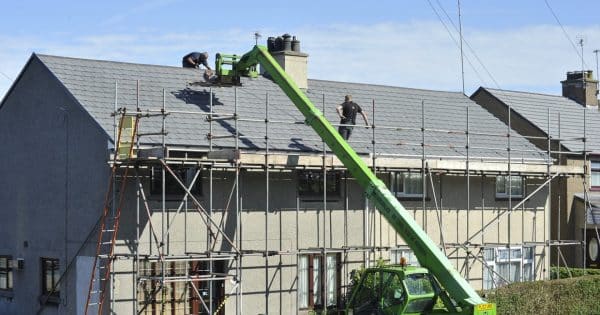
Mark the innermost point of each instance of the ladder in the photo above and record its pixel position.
(109, 222)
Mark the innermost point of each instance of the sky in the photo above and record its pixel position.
(508, 44)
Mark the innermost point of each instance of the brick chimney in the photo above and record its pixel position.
(286, 50)
(581, 87)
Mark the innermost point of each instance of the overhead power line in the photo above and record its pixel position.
(487, 71)
(455, 41)
(6, 76)
(565, 32)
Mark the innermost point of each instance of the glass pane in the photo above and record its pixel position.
(392, 291)
(303, 281)
(413, 184)
(399, 182)
(488, 277)
(3, 262)
(3, 280)
(488, 254)
(418, 284)
(48, 282)
(527, 272)
(331, 280)
(595, 178)
(516, 186)
(503, 253)
(515, 253)
(317, 280)
(595, 165)
(528, 253)
(10, 280)
(501, 184)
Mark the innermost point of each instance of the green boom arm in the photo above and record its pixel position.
(424, 248)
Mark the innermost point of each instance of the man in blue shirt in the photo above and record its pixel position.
(195, 59)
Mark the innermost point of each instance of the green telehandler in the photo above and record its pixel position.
(436, 287)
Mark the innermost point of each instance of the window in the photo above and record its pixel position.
(173, 189)
(179, 297)
(504, 185)
(407, 185)
(50, 277)
(310, 184)
(6, 274)
(313, 272)
(396, 254)
(595, 173)
(506, 265)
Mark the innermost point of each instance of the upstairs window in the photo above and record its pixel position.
(595, 174)
(6, 273)
(407, 185)
(173, 189)
(509, 186)
(312, 185)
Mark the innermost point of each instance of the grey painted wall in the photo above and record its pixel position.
(53, 176)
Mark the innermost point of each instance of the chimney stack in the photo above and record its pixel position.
(581, 87)
(286, 51)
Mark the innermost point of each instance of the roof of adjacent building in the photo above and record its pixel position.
(97, 85)
(556, 115)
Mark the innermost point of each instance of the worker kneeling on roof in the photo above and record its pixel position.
(195, 59)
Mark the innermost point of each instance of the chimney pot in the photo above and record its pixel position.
(287, 42)
(295, 44)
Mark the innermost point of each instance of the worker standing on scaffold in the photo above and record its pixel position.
(347, 112)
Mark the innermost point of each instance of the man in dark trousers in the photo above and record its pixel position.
(195, 59)
(347, 112)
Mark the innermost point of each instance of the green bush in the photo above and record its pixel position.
(565, 296)
(565, 272)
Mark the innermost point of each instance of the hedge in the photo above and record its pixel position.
(564, 296)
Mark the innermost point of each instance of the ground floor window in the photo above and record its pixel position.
(6, 273)
(505, 265)
(179, 296)
(50, 276)
(319, 279)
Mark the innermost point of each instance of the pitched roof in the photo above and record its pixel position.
(537, 107)
(93, 82)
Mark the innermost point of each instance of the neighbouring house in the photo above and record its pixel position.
(564, 126)
(272, 222)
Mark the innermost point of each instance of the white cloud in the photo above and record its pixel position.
(413, 54)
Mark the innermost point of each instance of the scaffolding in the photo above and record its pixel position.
(154, 268)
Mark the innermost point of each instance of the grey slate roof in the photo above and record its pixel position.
(593, 211)
(92, 83)
(534, 107)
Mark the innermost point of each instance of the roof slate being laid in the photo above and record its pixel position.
(534, 107)
(92, 83)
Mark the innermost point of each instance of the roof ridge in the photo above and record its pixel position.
(526, 92)
(108, 61)
(388, 86)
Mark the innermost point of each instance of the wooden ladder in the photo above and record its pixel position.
(109, 222)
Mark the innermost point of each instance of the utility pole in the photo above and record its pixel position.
(596, 51)
(462, 63)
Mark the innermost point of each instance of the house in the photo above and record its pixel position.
(272, 222)
(564, 126)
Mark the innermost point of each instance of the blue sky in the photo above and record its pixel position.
(400, 43)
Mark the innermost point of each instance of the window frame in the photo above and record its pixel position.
(310, 194)
(402, 194)
(504, 195)
(315, 300)
(595, 159)
(8, 270)
(54, 297)
(174, 191)
(491, 280)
